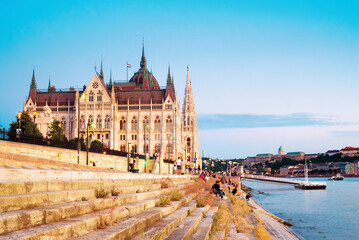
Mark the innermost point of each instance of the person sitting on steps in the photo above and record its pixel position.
(217, 190)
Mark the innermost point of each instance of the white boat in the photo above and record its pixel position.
(306, 185)
(337, 177)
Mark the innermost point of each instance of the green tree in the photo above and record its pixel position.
(96, 146)
(27, 128)
(56, 132)
(73, 143)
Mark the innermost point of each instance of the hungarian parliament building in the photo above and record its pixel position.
(135, 114)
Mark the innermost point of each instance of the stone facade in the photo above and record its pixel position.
(135, 115)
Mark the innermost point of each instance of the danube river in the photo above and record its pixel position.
(315, 214)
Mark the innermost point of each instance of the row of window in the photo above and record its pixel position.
(98, 121)
(157, 148)
(145, 123)
(99, 96)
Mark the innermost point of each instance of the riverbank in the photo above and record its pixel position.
(276, 226)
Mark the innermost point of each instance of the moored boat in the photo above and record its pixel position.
(337, 177)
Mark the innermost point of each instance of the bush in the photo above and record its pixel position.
(96, 146)
(163, 201)
(101, 193)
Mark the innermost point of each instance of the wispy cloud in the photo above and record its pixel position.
(222, 121)
(348, 133)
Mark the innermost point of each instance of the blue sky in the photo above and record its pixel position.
(264, 73)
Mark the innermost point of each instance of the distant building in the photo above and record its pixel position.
(332, 152)
(281, 151)
(263, 157)
(283, 171)
(349, 151)
(310, 156)
(295, 155)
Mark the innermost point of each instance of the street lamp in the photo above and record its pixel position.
(78, 128)
(19, 120)
(87, 141)
(144, 147)
(34, 114)
(59, 132)
(128, 155)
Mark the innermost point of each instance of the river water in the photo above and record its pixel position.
(315, 214)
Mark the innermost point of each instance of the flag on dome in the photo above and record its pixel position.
(128, 65)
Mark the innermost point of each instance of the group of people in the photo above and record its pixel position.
(178, 167)
(217, 189)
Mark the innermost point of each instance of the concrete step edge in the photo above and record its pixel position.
(190, 224)
(131, 226)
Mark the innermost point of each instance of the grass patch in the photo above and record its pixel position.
(261, 232)
(221, 219)
(176, 196)
(101, 193)
(204, 199)
(163, 201)
(115, 192)
(241, 209)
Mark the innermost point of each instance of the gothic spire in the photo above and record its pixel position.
(110, 83)
(101, 71)
(151, 80)
(169, 76)
(48, 89)
(188, 83)
(143, 59)
(33, 81)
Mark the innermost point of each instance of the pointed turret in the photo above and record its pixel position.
(169, 86)
(101, 70)
(151, 79)
(188, 83)
(169, 76)
(49, 87)
(110, 83)
(145, 78)
(33, 87)
(33, 81)
(143, 58)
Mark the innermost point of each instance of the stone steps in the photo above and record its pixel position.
(187, 227)
(138, 223)
(60, 223)
(204, 228)
(14, 188)
(16, 220)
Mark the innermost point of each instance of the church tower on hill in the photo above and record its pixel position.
(135, 115)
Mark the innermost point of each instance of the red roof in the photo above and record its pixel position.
(53, 97)
(349, 149)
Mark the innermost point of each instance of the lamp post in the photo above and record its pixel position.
(87, 141)
(78, 128)
(19, 120)
(34, 114)
(128, 156)
(59, 132)
(144, 147)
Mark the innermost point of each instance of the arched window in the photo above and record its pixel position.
(169, 123)
(107, 122)
(145, 148)
(188, 121)
(123, 148)
(157, 124)
(90, 120)
(99, 122)
(134, 148)
(63, 123)
(122, 123)
(188, 145)
(169, 150)
(134, 124)
(99, 96)
(145, 123)
(82, 121)
(157, 148)
(91, 96)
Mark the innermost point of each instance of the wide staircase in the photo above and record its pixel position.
(64, 203)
